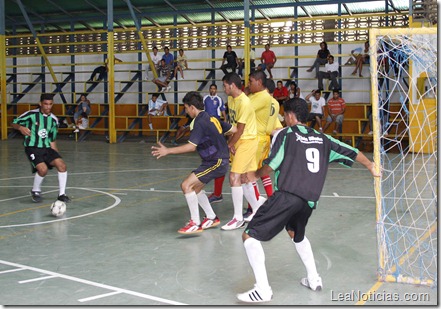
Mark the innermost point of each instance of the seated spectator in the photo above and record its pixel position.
(321, 59)
(294, 91)
(331, 72)
(83, 107)
(317, 104)
(157, 107)
(169, 59)
(81, 123)
(164, 76)
(232, 61)
(156, 59)
(361, 58)
(281, 93)
(336, 109)
(102, 70)
(181, 64)
(268, 60)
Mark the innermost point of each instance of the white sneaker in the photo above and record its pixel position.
(233, 225)
(255, 295)
(163, 89)
(76, 130)
(371, 132)
(260, 202)
(315, 285)
(168, 88)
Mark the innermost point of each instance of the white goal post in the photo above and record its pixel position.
(403, 66)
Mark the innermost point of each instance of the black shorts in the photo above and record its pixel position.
(39, 155)
(313, 115)
(208, 171)
(281, 210)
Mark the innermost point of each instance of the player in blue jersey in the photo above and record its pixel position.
(207, 138)
(214, 105)
(299, 179)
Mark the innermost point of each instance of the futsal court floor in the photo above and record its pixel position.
(118, 244)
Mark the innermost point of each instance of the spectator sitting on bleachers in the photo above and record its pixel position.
(169, 59)
(181, 64)
(232, 61)
(317, 104)
(331, 72)
(83, 107)
(268, 60)
(156, 58)
(281, 93)
(164, 74)
(321, 59)
(157, 107)
(361, 58)
(336, 109)
(294, 91)
(81, 123)
(102, 70)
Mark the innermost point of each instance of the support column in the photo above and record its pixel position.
(3, 106)
(111, 72)
(247, 43)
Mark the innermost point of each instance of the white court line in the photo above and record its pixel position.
(37, 279)
(92, 283)
(335, 194)
(82, 300)
(117, 202)
(11, 270)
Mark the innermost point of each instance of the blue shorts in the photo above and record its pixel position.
(210, 170)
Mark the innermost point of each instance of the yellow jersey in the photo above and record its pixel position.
(274, 122)
(261, 102)
(241, 111)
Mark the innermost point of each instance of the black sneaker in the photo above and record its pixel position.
(36, 196)
(63, 198)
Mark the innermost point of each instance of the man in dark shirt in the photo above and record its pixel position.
(207, 138)
(40, 127)
(299, 157)
(232, 60)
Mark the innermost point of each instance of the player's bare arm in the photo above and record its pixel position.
(162, 151)
(23, 130)
(361, 158)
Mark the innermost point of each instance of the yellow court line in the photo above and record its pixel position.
(372, 290)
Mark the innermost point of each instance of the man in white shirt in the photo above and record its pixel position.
(331, 69)
(157, 107)
(156, 58)
(317, 104)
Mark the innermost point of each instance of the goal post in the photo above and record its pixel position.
(403, 66)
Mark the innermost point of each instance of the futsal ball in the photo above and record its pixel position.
(58, 208)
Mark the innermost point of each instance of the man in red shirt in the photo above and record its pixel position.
(268, 60)
(281, 93)
(336, 109)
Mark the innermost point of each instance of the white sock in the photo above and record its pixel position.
(237, 195)
(192, 202)
(38, 180)
(250, 195)
(205, 204)
(256, 257)
(151, 126)
(305, 252)
(62, 180)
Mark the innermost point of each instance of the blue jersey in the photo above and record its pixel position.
(207, 134)
(214, 105)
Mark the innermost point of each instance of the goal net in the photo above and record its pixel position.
(403, 65)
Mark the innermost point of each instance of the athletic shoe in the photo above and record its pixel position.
(208, 223)
(246, 214)
(63, 198)
(36, 196)
(233, 225)
(190, 228)
(255, 295)
(215, 199)
(260, 202)
(371, 132)
(315, 285)
(76, 130)
(168, 88)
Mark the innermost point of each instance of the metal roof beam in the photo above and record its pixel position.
(347, 9)
(69, 14)
(104, 13)
(182, 14)
(391, 3)
(261, 12)
(220, 13)
(146, 17)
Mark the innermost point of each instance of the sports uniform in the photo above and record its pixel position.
(241, 111)
(312, 152)
(207, 135)
(214, 105)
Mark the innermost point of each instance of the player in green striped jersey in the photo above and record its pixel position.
(39, 127)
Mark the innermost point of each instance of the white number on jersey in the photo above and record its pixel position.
(313, 157)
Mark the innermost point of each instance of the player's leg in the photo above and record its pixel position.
(296, 230)
(60, 165)
(188, 187)
(216, 196)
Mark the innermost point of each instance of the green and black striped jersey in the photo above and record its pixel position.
(43, 128)
(300, 157)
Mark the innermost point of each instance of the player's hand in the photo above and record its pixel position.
(232, 149)
(159, 151)
(25, 131)
(373, 170)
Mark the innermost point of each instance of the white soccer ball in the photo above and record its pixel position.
(58, 208)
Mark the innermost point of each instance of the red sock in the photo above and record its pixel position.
(218, 183)
(256, 192)
(267, 185)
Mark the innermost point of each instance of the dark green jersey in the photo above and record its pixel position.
(43, 128)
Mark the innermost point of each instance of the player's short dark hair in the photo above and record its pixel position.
(233, 78)
(155, 95)
(259, 75)
(194, 98)
(213, 85)
(298, 107)
(293, 83)
(46, 96)
(270, 85)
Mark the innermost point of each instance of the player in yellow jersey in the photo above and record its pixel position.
(242, 144)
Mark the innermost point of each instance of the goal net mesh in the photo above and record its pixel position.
(404, 101)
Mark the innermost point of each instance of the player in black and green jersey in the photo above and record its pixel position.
(39, 127)
(299, 158)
